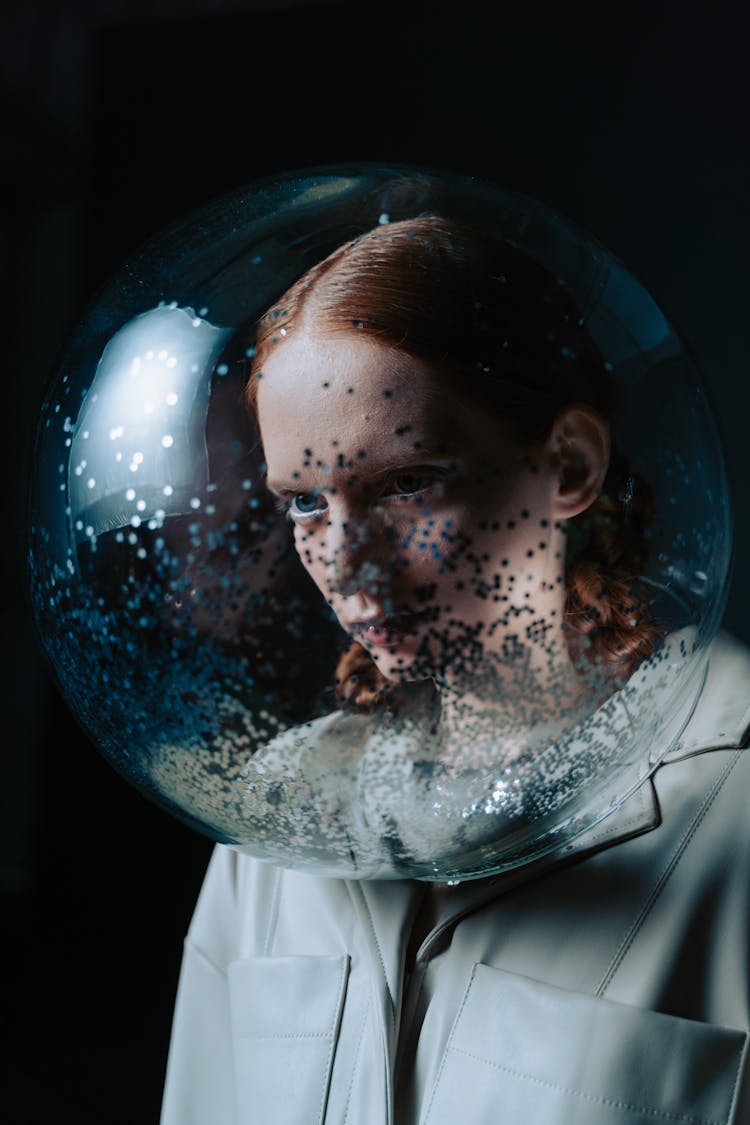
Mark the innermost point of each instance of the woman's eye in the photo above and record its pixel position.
(307, 504)
(409, 482)
(412, 483)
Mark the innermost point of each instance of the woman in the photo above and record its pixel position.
(436, 423)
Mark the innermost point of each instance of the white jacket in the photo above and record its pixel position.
(608, 984)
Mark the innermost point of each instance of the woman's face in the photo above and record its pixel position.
(428, 529)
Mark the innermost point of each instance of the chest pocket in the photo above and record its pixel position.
(285, 1013)
(521, 1050)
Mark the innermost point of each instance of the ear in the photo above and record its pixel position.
(579, 446)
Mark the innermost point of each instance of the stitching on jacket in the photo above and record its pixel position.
(627, 942)
(371, 925)
(355, 1065)
(333, 1037)
(448, 1045)
(282, 1036)
(594, 1098)
(360, 903)
(634, 824)
(738, 1075)
(273, 913)
(189, 944)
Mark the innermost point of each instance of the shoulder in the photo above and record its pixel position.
(730, 656)
(702, 784)
(721, 719)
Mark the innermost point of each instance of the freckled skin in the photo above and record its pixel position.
(407, 500)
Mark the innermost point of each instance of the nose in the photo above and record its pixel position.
(356, 555)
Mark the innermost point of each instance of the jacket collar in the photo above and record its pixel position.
(722, 721)
(395, 903)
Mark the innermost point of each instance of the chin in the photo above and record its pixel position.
(403, 668)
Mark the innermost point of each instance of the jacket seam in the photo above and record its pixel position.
(194, 948)
(283, 1035)
(446, 1052)
(355, 1066)
(371, 927)
(634, 825)
(627, 942)
(273, 914)
(597, 1099)
(385, 1033)
(333, 1037)
(737, 1077)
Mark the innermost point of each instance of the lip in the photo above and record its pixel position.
(386, 632)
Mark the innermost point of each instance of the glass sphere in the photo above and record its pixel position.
(202, 626)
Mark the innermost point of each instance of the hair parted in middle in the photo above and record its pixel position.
(490, 319)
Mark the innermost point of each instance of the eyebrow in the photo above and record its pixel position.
(284, 488)
(287, 488)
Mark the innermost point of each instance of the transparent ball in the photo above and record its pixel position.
(202, 629)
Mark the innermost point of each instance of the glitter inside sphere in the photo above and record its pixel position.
(202, 639)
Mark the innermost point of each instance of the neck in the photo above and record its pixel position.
(524, 696)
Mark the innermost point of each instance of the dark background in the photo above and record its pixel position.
(118, 117)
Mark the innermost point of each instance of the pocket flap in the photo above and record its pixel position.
(546, 1054)
(286, 1013)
